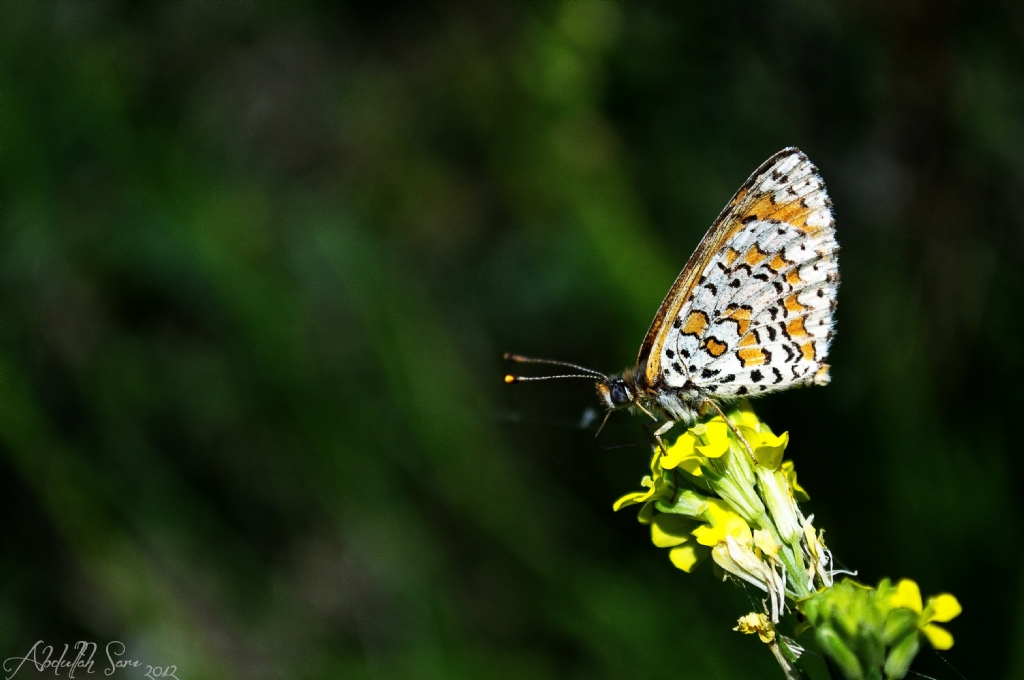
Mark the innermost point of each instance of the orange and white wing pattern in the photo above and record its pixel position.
(757, 317)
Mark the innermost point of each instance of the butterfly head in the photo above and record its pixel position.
(616, 392)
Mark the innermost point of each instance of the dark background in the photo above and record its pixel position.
(259, 263)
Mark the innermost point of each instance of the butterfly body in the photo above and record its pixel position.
(751, 312)
(630, 391)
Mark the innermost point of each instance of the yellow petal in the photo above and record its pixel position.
(668, 531)
(687, 556)
(692, 465)
(680, 450)
(716, 449)
(747, 415)
(939, 637)
(812, 541)
(766, 542)
(768, 456)
(718, 511)
(632, 499)
(769, 439)
(907, 595)
(943, 608)
(715, 431)
(709, 535)
(646, 513)
(769, 453)
(798, 491)
(722, 522)
(756, 623)
(738, 529)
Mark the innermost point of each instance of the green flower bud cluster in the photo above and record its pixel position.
(874, 633)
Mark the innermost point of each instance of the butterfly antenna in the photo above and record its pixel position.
(513, 379)
(520, 359)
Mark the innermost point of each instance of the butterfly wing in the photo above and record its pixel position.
(752, 310)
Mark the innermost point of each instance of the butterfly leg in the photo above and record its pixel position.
(662, 430)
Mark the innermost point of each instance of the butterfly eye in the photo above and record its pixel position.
(620, 394)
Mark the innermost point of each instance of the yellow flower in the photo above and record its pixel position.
(722, 522)
(941, 608)
(767, 447)
(668, 531)
(766, 542)
(676, 532)
(657, 488)
(683, 454)
(714, 436)
(756, 623)
(688, 556)
(694, 447)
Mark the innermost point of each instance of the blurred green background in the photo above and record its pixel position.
(259, 263)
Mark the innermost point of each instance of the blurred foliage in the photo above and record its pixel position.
(260, 260)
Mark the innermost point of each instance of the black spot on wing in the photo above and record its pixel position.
(743, 265)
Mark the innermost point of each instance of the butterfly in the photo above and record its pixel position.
(751, 312)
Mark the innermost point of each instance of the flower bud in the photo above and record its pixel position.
(901, 655)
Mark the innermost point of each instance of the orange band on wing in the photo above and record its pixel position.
(751, 357)
(714, 347)
(793, 305)
(778, 263)
(796, 329)
(754, 256)
(696, 323)
(741, 315)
